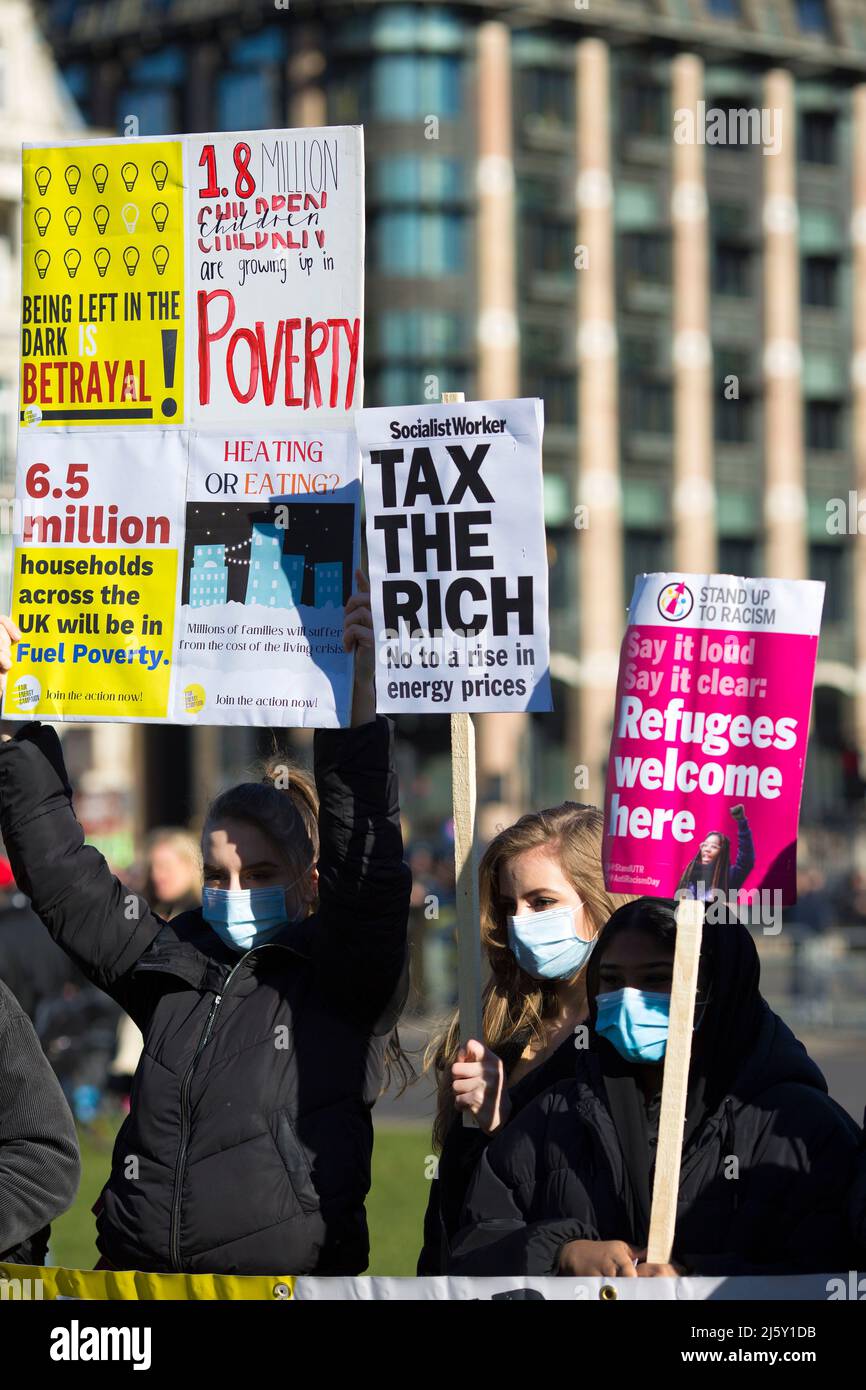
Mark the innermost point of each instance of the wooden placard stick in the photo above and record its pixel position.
(463, 791)
(675, 1082)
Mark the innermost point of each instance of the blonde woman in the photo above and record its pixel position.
(543, 904)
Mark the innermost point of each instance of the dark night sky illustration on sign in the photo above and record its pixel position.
(320, 532)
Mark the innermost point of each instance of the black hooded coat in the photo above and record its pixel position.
(768, 1156)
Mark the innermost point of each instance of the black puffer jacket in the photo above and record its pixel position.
(247, 1148)
(557, 1174)
(39, 1162)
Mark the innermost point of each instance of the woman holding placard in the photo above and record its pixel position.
(266, 1014)
(543, 903)
(768, 1157)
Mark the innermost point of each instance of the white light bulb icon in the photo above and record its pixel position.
(129, 213)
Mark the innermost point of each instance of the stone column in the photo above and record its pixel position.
(785, 519)
(600, 597)
(502, 749)
(858, 387)
(694, 499)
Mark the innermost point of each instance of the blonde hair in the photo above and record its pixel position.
(514, 1003)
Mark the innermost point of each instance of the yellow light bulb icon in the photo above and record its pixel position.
(72, 175)
(43, 178)
(72, 218)
(100, 176)
(129, 173)
(43, 261)
(160, 258)
(159, 170)
(102, 259)
(42, 217)
(131, 258)
(72, 260)
(129, 213)
(159, 213)
(100, 217)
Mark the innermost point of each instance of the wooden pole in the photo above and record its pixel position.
(463, 792)
(678, 1053)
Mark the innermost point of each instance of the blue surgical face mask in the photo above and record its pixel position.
(545, 945)
(245, 917)
(635, 1021)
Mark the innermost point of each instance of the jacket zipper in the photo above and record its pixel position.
(180, 1163)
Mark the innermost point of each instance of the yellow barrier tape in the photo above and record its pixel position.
(38, 1282)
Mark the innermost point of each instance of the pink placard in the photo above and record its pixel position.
(708, 748)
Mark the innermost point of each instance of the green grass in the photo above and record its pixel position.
(395, 1206)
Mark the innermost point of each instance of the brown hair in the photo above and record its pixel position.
(284, 805)
(516, 1004)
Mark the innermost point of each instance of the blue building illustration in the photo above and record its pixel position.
(328, 584)
(209, 576)
(275, 580)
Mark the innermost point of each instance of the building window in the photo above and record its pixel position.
(647, 406)
(824, 425)
(724, 9)
(812, 16)
(644, 552)
(647, 256)
(155, 108)
(247, 100)
(738, 555)
(828, 563)
(408, 85)
(820, 282)
(419, 243)
(407, 179)
(547, 248)
(733, 419)
(558, 390)
(545, 96)
(818, 137)
(732, 270)
(419, 333)
(645, 107)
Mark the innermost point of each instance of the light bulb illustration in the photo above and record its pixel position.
(42, 217)
(131, 258)
(100, 176)
(159, 213)
(102, 259)
(159, 170)
(129, 213)
(72, 218)
(100, 217)
(72, 260)
(160, 258)
(43, 178)
(129, 173)
(43, 261)
(72, 175)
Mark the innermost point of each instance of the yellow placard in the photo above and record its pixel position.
(92, 647)
(102, 285)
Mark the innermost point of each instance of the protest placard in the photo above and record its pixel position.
(191, 357)
(102, 308)
(458, 563)
(184, 576)
(709, 739)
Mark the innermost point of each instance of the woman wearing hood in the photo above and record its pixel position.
(768, 1157)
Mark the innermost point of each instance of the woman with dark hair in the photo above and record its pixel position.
(266, 1014)
(711, 871)
(768, 1157)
